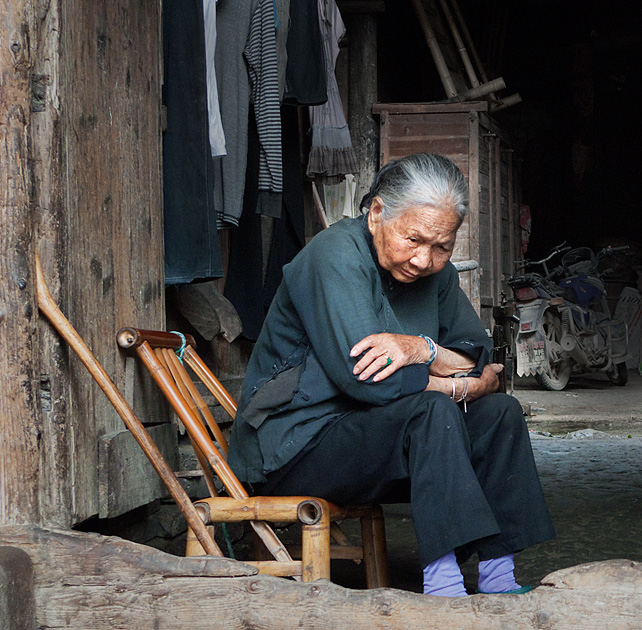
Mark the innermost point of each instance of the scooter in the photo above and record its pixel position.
(565, 324)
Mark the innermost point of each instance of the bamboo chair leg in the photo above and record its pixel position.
(373, 539)
(315, 550)
(192, 546)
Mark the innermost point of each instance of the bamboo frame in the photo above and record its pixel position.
(316, 516)
(201, 438)
(50, 309)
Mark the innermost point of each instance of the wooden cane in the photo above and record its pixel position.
(50, 309)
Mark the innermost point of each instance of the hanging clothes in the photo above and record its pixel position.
(217, 136)
(331, 155)
(261, 55)
(233, 18)
(245, 279)
(192, 248)
(283, 22)
(305, 75)
(339, 199)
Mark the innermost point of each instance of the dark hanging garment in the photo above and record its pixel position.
(305, 75)
(192, 248)
(288, 237)
(245, 284)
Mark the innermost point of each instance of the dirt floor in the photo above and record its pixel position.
(587, 442)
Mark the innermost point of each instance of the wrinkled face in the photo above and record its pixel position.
(417, 243)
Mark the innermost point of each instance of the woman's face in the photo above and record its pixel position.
(417, 243)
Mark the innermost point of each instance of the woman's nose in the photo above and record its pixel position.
(422, 258)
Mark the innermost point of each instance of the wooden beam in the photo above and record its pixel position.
(429, 108)
(20, 429)
(362, 95)
(89, 581)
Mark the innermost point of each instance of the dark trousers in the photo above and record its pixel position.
(470, 477)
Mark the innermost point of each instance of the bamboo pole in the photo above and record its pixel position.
(315, 548)
(210, 381)
(459, 42)
(201, 437)
(50, 309)
(373, 539)
(435, 51)
(165, 355)
(319, 206)
(469, 41)
(189, 391)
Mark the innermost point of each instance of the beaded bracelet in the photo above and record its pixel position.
(433, 349)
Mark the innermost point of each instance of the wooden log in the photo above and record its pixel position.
(89, 581)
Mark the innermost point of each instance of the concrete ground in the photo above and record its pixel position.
(587, 442)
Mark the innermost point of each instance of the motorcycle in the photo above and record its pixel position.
(565, 324)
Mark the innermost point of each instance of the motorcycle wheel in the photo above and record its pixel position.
(557, 371)
(618, 374)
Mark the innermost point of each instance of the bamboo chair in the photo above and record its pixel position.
(164, 354)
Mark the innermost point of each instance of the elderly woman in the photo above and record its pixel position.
(354, 391)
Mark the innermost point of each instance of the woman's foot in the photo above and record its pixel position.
(443, 578)
(497, 576)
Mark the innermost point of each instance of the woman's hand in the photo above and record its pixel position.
(404, 350)
(487, 383)
(378, 349)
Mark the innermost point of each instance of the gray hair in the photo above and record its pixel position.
(421, 179)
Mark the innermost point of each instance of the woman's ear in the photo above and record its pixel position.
(374, 215)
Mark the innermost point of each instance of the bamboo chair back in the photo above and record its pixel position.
(165, 356)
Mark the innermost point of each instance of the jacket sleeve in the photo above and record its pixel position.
(460, 328)
(336, 293)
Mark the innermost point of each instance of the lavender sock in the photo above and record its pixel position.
(496, 576)
(443, 578)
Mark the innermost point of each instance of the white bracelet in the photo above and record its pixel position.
(464, 394)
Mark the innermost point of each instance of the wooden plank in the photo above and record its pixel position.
(473, 213)
(88, 581)
(49, 195)
(126, 478)
(429, 108)
(19, 374)
(114, 262)
(454, 148)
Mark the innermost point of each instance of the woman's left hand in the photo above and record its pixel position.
(385, 353)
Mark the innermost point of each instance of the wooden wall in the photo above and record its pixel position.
(465, 133)
(81, 182)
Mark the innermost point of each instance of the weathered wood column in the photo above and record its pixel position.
(19, 374)
(364, 128)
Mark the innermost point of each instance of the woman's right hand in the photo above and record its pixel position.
(478, 386)
(487, 383)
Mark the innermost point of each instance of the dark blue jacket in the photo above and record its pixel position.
(299, 377)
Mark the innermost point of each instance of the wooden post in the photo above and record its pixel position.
(20, 429)
(362, 35)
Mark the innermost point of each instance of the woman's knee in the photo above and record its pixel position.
(496, 412)
(435, 411)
